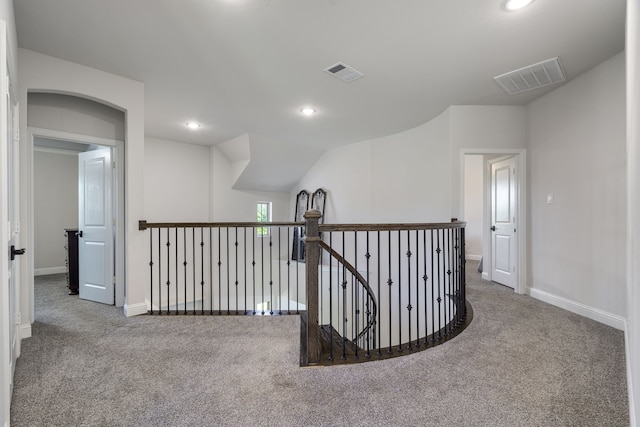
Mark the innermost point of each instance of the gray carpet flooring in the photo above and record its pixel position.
(521, 362)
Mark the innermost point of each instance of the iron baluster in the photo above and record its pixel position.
(270, 274)
(331, 299)
(368, 307)
(438, 251)
(236, 282)
(202, 270)
(399, 292)
(219, 271)
(433, 308)
(379, 350)
(253, 265)
(193, 270)
(390, 283)
(279, 273)
(417, 258)
(426, 288)
(228, 275)
(210, 270)
(244, 238)
(409, 306)
(288, 272)
(356, 302)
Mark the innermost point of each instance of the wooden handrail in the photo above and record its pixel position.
(143, 225)
(392, 226)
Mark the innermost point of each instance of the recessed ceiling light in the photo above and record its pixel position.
(517, 4)
(308, 111)
(193, 125)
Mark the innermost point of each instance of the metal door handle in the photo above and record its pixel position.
(79, 233)
(15, 252)
(493, 228)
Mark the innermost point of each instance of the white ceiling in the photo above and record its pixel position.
(248, 66)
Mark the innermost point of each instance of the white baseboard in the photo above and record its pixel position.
(473, 257)
(135, 309)
(25, 331)
(596, 314)
(49, 270)
(485, 276)
(630, 389)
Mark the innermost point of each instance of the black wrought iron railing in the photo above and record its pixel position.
(224, 268)
(393, 288)
(364, 291)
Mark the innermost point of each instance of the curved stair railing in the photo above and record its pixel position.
(362, 291)
(357, 303)
(413, 274)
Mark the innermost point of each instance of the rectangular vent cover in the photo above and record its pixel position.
(542, 74)
(344, 72)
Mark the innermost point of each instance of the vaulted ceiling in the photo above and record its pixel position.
(249, 66)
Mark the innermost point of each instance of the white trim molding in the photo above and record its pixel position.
(25, 331)
(135, 309)
(49, 270)
(630, 389)
(592, 313)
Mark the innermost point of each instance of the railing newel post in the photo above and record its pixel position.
(312, 258)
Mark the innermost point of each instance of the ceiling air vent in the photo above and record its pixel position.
(542, 74)
(344, 72)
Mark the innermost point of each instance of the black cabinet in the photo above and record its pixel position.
(71, 246)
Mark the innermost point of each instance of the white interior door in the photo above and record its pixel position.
(95, 226)
(503, 219)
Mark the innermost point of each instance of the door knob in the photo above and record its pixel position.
(79, 233)
(493, 228)
(15, 252)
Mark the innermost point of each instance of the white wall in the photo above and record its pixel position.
(227, 204)
(402, 177)
(176, 181)
(75, 115)
(412, 176)
(55, 183)
(633, 208)
(345, 173)
(473, 204)
(576, 151)
(408, 173)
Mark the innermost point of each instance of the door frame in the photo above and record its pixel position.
(521, 208)
(119, 199)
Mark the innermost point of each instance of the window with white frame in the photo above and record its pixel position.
(263, 215)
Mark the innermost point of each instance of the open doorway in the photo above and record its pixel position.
(57, 208)
(487, 240)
